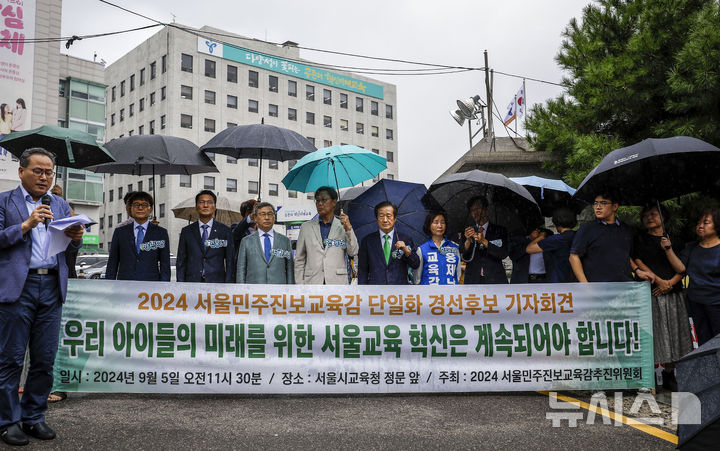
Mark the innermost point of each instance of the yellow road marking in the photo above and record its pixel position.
(646, 428)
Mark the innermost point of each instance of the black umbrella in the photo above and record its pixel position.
(654, 170)
(72, 148)
(155, 154)
(260, 141)
(699, 373)
(346, 195)
(511, 205)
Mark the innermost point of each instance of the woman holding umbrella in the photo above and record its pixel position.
(439, 257)
(653, 253)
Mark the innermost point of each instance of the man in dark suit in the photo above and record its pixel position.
(205, 250)
(32, 289)
(385, 257)
(139, 251)
(528, 268)
(245, 227)
(484, 246)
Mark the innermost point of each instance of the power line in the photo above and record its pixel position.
(75, 37)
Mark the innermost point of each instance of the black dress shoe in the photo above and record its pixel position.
(39, 430)
(13, 435)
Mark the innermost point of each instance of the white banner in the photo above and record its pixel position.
(229, 338)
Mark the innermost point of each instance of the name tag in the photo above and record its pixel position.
(281, 253)
(447, 250)
(398, 253)
(152, 245)
(216, 243)
(335, 243)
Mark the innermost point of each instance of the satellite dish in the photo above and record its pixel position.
(458, 116)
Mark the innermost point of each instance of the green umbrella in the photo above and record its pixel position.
(72, 148)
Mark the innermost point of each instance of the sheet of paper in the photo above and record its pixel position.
(57, 240)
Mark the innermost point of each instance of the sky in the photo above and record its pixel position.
(521, 37)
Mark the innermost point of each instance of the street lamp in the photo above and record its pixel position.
(469, 109)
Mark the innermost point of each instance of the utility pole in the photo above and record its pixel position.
(488, 92)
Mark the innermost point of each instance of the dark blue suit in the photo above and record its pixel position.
(216, 258)
(30, 311)
(521, 259)
(153, 261)
(372, 269)
(485, 265)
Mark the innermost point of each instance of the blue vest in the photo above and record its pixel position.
(439, 265)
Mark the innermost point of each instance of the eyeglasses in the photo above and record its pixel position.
(265, 214)
(49, 173)
(206, 202)
(322, 200)
(140, 205)
(601, 203)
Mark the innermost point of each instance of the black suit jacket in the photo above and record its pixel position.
(153, 261)
(372, 269)
(216, 258)
(485, 265)
(521, 259)
(239, 231)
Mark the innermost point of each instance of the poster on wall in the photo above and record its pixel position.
(17, 24)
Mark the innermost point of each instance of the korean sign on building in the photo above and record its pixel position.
(122, 336)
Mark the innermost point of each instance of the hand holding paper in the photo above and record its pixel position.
(58, 241)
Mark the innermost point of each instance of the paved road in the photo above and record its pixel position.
(461, 421)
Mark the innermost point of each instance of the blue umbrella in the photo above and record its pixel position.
(408, 197)
(550, 194)
(338, 166)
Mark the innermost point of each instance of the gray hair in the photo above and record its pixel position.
(25, 156)
(260, 205)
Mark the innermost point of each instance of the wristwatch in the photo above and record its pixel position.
(667, 248)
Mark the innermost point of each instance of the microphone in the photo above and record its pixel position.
(46, 201)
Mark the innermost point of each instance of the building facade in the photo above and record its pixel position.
(195, 84)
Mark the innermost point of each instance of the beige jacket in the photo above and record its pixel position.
(317, 264)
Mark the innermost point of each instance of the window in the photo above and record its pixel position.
(292, 114)
(374, 131)
(232, 102)
(310, 92)
(327, 97)
(163, 64)
(359, 104)
(186, 92)
(311, 196)
(272, 83)
(152, 98)
(210, 155)
(343, 100)
(142, 104)
(186, 64)
(132, 82)
(110, 195)
(162, 180)
(292, 88)
(209, 182)
(253, 162)
(273, 189)
(131, 110)
(142, 76)
(327, 143)
(232, 74)
(344, 125)
(185, 121)
(252, 187)
(273, 164)
(253, 79)
(292, 194)
(231, 186)
(374, 108)
(113, 90)
(389, 157)
(210, 97)
(122, 88)
(310, 117)
(388, 111)
(112, 119)
(130, 189)
(122, 114)
(161, 210)
(231, 160)
(102, 223)
(210, 125)
(110, 218)
(389, 176)
(163, 122)
(210, 68)
(130, 133)
(359, 128)
(291, 164)
(311, 139)
(152, 127)
(163, 93)
(272, 110)
(231, 124)
(252, 106)
(377, 151)
(153, 70)
(120, 191)
(140, 185)
(327, 121)
(185, 181)
(388, 134)
(119, 218)
(151, 184)
(141, 129)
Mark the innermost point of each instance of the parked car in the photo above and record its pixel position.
(87, 260)
(96, 271)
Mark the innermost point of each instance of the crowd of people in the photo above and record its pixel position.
(327, 252)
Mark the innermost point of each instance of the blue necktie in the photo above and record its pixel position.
(205, 233)
(140, 237)
(267, 246)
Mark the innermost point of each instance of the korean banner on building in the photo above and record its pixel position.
(125, 336)
(17, 24)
